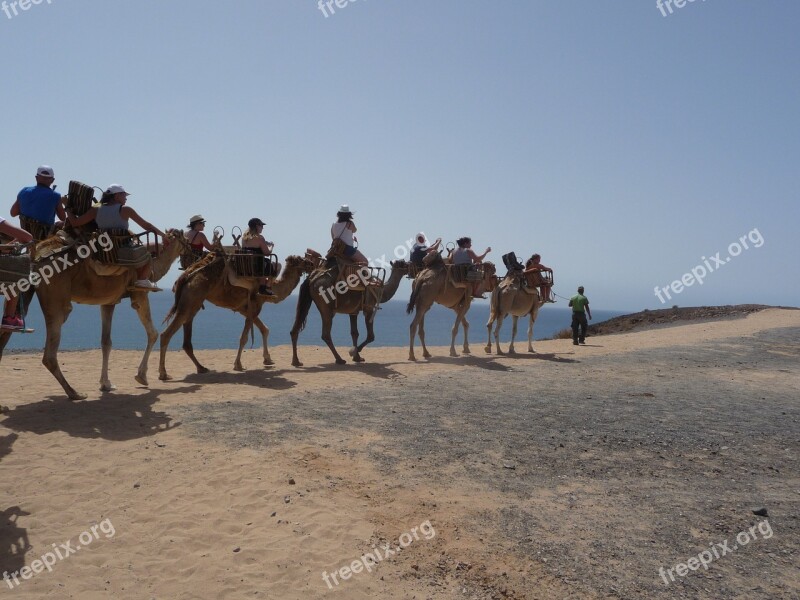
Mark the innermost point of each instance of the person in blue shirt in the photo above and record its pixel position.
(39, 205)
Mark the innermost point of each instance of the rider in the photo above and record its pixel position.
(533, 270)
(11, 316)
(39, 205)
(196, 238)
(254, 243)
(421, 249)
(464, 255)
(344, 229)
(112, 214)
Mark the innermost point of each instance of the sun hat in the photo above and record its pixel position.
(196, 219)
(45, 171)
(255, 222)
(345, 210)
(116, 188)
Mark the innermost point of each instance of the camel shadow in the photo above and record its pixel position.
(5, 444)
(488, 362)
(255, 378)
(548, 356)
(14, 541)
(373, 369)
(115, 417)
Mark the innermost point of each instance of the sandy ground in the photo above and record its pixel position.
(575, 472)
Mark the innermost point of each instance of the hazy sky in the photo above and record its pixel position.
(622, 145)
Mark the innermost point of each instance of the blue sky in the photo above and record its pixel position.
(622, 145)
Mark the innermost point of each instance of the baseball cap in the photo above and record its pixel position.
(116, 188)
(255, 222)
(45, 171)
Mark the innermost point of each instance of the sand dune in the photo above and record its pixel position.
(573, 473)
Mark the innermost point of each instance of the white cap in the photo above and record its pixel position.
(116, 188)
(45, 171)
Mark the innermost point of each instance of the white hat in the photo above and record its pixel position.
(45, 171)
(196, 219)
(116, 188)
(345, 208)
(421, 235)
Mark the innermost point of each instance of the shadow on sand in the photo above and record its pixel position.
(262, 378)
(115, 417)
(13, 540)
(5, 444)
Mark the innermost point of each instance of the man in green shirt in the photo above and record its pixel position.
(580, 308)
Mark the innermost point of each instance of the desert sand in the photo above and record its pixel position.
(575, 472)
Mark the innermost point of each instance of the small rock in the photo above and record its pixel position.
(137, 485)
(273, 514)
(287, 499)
(509, 465)
(291, 481)
(760, 512)
(237, 549)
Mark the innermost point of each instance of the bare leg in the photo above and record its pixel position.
(106, 315)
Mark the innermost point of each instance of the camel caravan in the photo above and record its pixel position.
(90, 256)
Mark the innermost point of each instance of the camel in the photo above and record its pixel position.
(208, 280)
(350, 302)
(81, 283)
(433, 285)
(511, 298)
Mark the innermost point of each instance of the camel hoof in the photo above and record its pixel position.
(77, 396)
(358, 359)
(353, 351)
(297, 363)
(164, 377)
(268, 362)
(531, 350)
(488, 349)
(107, 387)
(512, 351)
(412, 358)
(341, 361)
(426, 355)
(453, 353)
(239, 368)
(141, 379)
(203, 371)
(466, 351)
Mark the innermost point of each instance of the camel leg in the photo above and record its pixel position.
(106, 315)
(354, 336)
(53, 323)
(265, 337)
(4, 337)
(499, 324)
(412, 333)
(248, 327)
(188, 347)
(294, 334)
(327, 324)
(488, 347)
(514, 319)
(425, 353)
(141, 302)
(369, 320)
(465, 323)
(530, 333)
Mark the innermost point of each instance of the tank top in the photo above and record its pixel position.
(108, 217)
(339, 231)
(461, 257)
(199, 246)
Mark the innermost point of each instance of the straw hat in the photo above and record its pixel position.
(195, 219)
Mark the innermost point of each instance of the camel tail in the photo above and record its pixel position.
(303, 305)
(178, 291)
(412, 301)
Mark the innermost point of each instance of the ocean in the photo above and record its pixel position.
(216, 328)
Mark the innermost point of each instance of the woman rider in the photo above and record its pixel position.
(344, 229)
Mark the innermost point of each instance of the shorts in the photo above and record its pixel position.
(349, 251)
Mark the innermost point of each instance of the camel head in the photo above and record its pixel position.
(177, 240)
(399, 265)
(298, 262)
